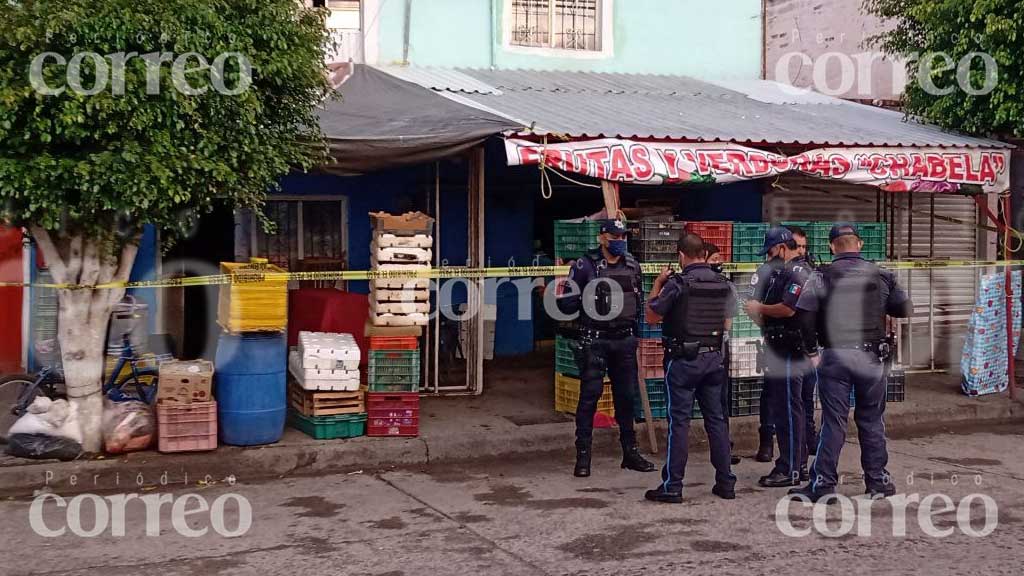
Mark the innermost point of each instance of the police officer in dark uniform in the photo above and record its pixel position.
(758, 289)
(609, 301)
(811, 377)
(789, 338)
(851, 298)
(696, 306)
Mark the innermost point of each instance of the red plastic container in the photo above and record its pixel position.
(718, 233)
(394, 343)
(392, 414)
(187, 427)
(650, 356)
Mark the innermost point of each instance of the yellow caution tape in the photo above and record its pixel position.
(450, 272)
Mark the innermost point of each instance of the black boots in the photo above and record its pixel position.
(779, 479)
(660, 495)
(582, 469)
(632, 460)
(766, 451)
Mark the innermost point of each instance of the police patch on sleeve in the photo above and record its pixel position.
(795, 289)
(753, 279)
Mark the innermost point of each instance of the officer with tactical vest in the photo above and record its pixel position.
(608, 299)
(713, 256)
(697, 307)
(811, 377)
(789, 340)
(851, 298)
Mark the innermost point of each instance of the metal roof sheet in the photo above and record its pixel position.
(590, 104)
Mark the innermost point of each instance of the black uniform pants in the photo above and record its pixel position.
(784, 377)
(840, 371)
(810, 384)
(702, 380)
(619, 357)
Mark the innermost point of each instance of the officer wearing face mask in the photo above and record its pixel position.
(790, 339)
(851, 298)
(608, 300)
(811, 377)
(758, 289)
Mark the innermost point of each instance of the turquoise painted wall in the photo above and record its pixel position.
(688, 37)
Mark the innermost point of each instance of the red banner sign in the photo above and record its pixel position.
(656, 163)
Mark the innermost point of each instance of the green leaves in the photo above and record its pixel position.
(960, 29)
(149, 151)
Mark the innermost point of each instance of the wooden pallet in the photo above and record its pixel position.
(310, 403)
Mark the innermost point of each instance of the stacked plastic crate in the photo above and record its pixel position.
(874, 235)
(655, 240)
(573, 238)
(393, 376)
(326, 399)
(717, 233)
(747, 240)
(401, 243)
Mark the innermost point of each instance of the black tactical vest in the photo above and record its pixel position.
(623, 314)
(699, 314)
(852, 313)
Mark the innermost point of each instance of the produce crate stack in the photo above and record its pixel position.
(565, 360)
(401, 243)
(393, 374)
(896, 385)
(186, 412)
(657, 395)
(874, 235)
(256, 300)
(654, 241)
(745, 396)
(718, 233)
(650, 356)
(573, 238)
(325, 395)
(747, 240)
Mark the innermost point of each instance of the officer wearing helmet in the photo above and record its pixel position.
(789, 341)
(851, 298)
(697, 306)
(607, 295)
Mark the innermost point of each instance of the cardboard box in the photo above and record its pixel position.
(408, 222)
(185, 382)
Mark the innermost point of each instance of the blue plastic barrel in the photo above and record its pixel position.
(251, 387)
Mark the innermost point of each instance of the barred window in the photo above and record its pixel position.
(561, 24)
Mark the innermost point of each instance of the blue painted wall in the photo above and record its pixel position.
(145, 269)
(688, 37)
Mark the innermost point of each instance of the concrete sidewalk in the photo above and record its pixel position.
(513, 418)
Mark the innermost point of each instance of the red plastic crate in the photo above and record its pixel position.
(187, 427)
(718, 233)
(394, 343)
(392, 414)
(650, 356)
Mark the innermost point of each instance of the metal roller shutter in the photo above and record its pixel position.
(943, 298)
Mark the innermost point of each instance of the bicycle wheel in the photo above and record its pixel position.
(128, 387)
(11, 389)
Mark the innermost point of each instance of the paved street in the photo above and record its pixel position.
(531, 517)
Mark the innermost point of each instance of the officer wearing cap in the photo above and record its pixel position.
(789, 339)
(851, 298)
(697, 307)
(609, 301)
(758, 290)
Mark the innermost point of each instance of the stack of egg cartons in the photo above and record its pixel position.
(401, 243)
(984, 364)
(326, 398)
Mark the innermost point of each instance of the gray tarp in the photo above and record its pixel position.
(383, 122)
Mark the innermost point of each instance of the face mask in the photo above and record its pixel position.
(616, 247)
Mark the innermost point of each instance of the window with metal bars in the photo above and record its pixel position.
(560, 24)
(306, 229)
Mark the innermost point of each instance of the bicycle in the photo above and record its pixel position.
(49, 382)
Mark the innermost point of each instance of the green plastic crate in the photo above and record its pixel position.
(573, 239)
(657, 395)
(744, 327)
(393, 370)
(329, 427)
(565, 361)
(747, 241)
(875, 237)
(745, 396)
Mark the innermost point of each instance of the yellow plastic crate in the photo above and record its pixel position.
(567, 395)
(253, 303)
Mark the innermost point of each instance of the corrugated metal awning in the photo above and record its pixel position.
(645, 106)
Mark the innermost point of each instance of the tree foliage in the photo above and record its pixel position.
(102, 163)
(960, 29)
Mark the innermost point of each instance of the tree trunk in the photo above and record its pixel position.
(84, 314)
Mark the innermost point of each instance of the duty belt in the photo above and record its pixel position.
(864, 346)
(618, 334)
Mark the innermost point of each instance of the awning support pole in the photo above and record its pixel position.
(1010, 368)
